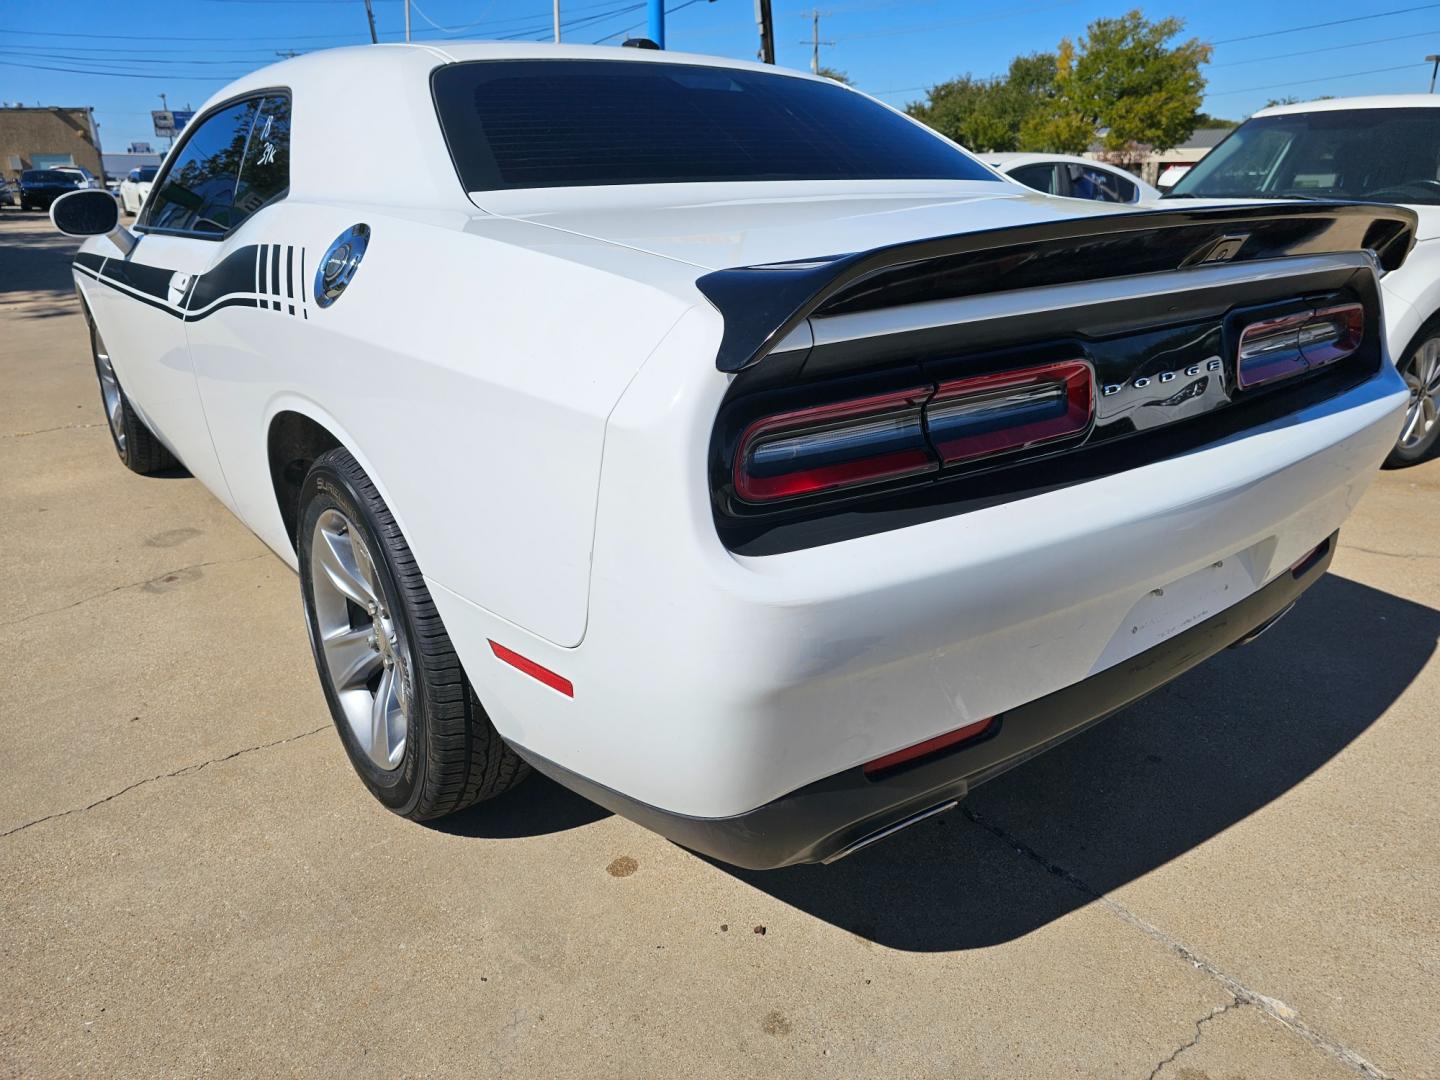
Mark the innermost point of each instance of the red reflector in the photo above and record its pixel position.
(975, 418)
(930, 746)
(534, 670)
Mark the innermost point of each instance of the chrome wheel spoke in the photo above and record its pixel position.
(339, 562)
(353, 660)
(387, 721)
(1412, 422)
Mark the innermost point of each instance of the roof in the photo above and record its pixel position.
(1025, 159)
(1374, 101)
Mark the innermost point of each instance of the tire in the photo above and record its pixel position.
(362, 591)
(1420, 367)
(139, 449)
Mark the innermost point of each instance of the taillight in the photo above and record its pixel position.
(986, 415)
(829, 447)
(1278, 348)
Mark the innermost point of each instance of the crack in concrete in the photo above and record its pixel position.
(46, 431)
(1277, 1010)
(1391, 554)
(1235, 1003)
(182, 771)
(130, 585)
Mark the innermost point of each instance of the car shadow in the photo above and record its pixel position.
(537, 807)
(1134, 792)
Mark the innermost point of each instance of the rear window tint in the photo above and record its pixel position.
(553, 123)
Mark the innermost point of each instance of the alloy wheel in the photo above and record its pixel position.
(1422, 376)
(365, 652)
(110, 393)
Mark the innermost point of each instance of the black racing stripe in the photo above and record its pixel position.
(143, 298)
(290, 274)
(275, 274)
(264, 267)
(233, 301)
(151, 280)
(233, 274)
(89, 259)
(304, 298)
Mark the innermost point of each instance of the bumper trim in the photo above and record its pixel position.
(834, 816)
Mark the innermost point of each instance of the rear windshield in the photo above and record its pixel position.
(568, 123)
(1390, 155)
(46, 176)
(147, 173)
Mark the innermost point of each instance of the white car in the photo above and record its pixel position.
(1073, 177)
(1384, 148)
(135, 188)
(718, 440)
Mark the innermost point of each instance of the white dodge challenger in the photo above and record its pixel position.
(717, 440)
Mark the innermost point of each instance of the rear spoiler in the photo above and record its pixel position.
(762, 305)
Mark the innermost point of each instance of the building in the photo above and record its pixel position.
(43, 136)
(118, 166)
(1148, 163)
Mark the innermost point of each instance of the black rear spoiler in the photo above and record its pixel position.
(762, 304)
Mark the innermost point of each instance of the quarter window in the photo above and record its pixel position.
(1039, 177)
(232, 164)
(1098, 184)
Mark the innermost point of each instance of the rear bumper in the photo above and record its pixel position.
(844, 812)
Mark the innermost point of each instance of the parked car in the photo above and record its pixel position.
(85, 177)
(40, 187)
(593, 452)
(1383, 148)
(8, 194)
(1074, 177)
(135, 188)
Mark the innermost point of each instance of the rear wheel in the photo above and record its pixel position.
(134, 442)
(406, 713)
(1420, 368)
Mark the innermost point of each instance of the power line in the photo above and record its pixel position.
(1325, 78)
(1328, 48)
(1322, 25)
(636, 26)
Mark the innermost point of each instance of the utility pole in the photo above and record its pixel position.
(657, 22)
(815, 41)
(370, 14)
(407, 22)
(766, 23)
(557, 22)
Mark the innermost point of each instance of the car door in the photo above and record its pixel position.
(153, 291)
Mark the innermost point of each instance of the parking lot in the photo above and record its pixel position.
(1239, 877)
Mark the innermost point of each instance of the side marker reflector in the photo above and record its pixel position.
(534, 670)
(930, 746)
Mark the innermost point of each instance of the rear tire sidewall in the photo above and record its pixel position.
(399, 789)
(1401, 457)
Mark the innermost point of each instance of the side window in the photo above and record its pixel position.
(265, 171)
(198, 192)
(1040, 177)
(1087, 183)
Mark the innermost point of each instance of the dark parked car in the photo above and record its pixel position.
(40, 187)
(7, 193)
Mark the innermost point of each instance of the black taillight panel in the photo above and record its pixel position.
(798, 461)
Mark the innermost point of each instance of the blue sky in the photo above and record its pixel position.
(892, 48)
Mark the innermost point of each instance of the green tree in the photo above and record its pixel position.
(1126, 84)
(832, 73)
(989, 114)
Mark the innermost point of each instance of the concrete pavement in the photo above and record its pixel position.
(1239, 877)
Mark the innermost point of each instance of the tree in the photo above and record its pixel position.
(989, 114)
(1125, 84)
(831, 73)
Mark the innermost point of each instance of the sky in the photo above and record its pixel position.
(120, 57)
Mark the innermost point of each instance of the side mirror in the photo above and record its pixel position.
(91, 212)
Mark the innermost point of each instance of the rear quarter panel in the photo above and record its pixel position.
(470, 376)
